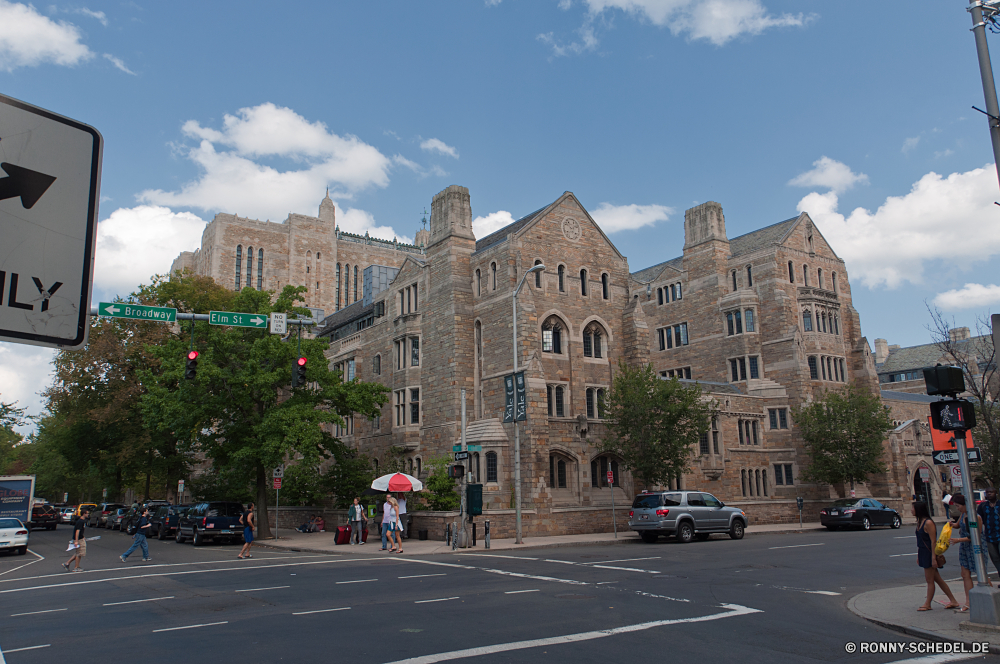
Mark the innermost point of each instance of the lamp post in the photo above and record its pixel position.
(983, 12)
(517, 439)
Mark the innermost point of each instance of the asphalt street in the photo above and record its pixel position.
(766, 598)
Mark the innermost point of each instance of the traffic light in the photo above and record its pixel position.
(191, 369)
(456, 471)
(299, 372)
(953, 415)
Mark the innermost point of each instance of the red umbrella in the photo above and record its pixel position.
(397, 482)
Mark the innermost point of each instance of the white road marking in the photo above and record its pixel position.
(305, 613)
(672, 599)
(32, 613)
(822, 592)
(174, 629)
(623, 560)
(627, 569)
(442, 599)
(564, 562)
(356, 581)
(250, 590)
(733, 610)
(420, 576)
(517, 592)
(794, 546)
(602, 583)
(496, 555)
(137, 601)
(498, 571)
(36, 560)
(903, 537)
(900, 555)
(937, 659)
(20, 649)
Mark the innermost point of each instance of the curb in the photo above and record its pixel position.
(924, 634)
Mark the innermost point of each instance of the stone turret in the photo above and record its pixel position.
(703, 223)
(327, 211)
(451, 215)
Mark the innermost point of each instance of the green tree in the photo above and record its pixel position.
(654, 424)
(443, 496)
(10, 416)
(844, 432)
(349, 475)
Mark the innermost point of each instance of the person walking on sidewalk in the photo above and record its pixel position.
(356, 517)
(965, 556)
(989, 512)
(404, 518)
(390, 524)
(139, 539)
(926, 537)
(247, 519)
(80, 541)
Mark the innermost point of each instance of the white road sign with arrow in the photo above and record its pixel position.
(48, 225)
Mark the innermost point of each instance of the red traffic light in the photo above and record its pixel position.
(193, 355)
(301, 361)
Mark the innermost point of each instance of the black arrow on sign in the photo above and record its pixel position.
(29, 185)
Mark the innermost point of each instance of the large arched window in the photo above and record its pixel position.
(791, 272)
(593, 340)
(347, 284)
(239, 264)
(493, 276)
(599, 468)
(538, 275)
(552, 335)
(583, 282)
(260, 269)
(338, 288)
(605, 286)
(562, 279)
(479, 283)
(250, 267)
(491, 467)
(355, 299)
(805, 275)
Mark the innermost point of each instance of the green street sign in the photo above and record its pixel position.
(137, 311)
(237, 319)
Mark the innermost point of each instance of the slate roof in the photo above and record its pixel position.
(927, 355)
(712, 386)
(648, 274)
(760, 238)
(501, 235)
(907, 396)
(348, 314)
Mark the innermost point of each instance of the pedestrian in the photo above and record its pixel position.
(404, 518)
(356, 518)
(926, 537)
(989, 512)
(79, 541)
(393, 525)
(382, 527)
(139, 539)
(249, 522)
(966, 558)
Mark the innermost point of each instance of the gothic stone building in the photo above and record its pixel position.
(763, 322)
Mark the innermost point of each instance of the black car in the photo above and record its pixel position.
(163, 522)
(213, 520)
(860, 513)
(43, 516)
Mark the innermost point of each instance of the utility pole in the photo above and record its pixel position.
(991, 8)
(465, 465)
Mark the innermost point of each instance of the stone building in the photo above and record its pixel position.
(763, 322)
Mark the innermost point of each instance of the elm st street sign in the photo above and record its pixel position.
(237, 319)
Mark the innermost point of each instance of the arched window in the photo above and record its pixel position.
(605, 286)
(749, 276)
(734, 279)
(538, 275)
(807, 321)
(659, 296)
(679, 294)
(821, 321)
(819, 277)
(355, 299)
(743, 478)
(347, 284)
(338, 287)
(557, 472)
(591, 406)
(763, 479)
(560, 402)
(239, 264)
(757, 475)
(493, 276)
(260, 269)
(479, 283)
(599, 468)
(377, 365)
(805, 275)
(791, 273)
(309, 259)
(583, 282)
(552, 335)
(409, 466)
(491, 467)
(836, 324)
(601, 411)
(833, 278)
(562, 279)
(592, 341)
(250, 267)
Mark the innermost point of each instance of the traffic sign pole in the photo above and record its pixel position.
(970, 508)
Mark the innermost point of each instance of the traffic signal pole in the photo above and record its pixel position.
(970, 507)
(986, 73)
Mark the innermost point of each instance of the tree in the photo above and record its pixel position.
(844, 432)
(654, 424)
(349, 475)
(10, 416)
(442, 496)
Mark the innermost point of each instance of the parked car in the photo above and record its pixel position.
(67, 515)
(860, 513)
(43, 516)
(164, 521)
(115, 518)
(686, 514)
(82, 507)
(99, 516)
(13, 536)
(215, 520)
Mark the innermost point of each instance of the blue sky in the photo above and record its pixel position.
(855, 112)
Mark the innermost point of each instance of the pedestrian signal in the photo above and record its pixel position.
(191, 369)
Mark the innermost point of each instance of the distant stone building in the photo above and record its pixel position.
(901, 369)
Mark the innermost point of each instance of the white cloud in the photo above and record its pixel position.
(717, 21)
(910, 143)
(614, 218)
(492, 3)
(436, 145)
(100, 16)
(588, 41)
(494, 221)
(565, 4)
(830, 174)
(117, 62)
(943, 153)
(28, 39)
(158, 234)
(233, 180)
(354, 220)
(939, 218)
(969, 296)
(24, 372)
(403, 161)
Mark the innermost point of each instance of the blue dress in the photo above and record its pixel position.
(924, 549)
(965, 557)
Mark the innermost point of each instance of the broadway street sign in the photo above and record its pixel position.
(944, 457)
(137, 311)
(237, 319)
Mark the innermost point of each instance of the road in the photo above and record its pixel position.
(766, 598)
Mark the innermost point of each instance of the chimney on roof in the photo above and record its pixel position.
(881, 350)
(703, 223)
(959, 333)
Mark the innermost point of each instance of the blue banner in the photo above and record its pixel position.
(16, 494)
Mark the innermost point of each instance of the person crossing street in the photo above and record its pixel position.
(80, 541)
(140, 538)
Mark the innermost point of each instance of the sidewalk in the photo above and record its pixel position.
(896, 609)
(324, 542)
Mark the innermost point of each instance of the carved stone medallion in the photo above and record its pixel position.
(571, 229)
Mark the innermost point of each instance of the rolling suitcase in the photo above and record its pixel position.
(343, 535)
(364, 535)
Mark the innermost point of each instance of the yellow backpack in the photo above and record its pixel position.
(944, 539)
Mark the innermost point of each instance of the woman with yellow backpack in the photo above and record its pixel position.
(928, 558)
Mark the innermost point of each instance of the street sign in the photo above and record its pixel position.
(279, 472)
(277, 482)
(279, 323)
(48, 222)
(459, 456)
(611, 478)
(180, 487)
(944, 457)
(65, 497)
(105, 494)
(924, 473)
(942, 440)
(956, 476)
(237, 319)
(137, 311)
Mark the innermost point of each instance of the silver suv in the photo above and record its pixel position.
(688, 514)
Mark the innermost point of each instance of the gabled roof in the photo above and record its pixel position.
(348, 314)
(926, 355)
(501, 235)
(762, 237)
(649, 274)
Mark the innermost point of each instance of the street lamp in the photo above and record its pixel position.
(517, 439)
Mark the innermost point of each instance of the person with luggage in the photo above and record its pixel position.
(79, 542)
(139, 539)
(356, 517)
(247, 519)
